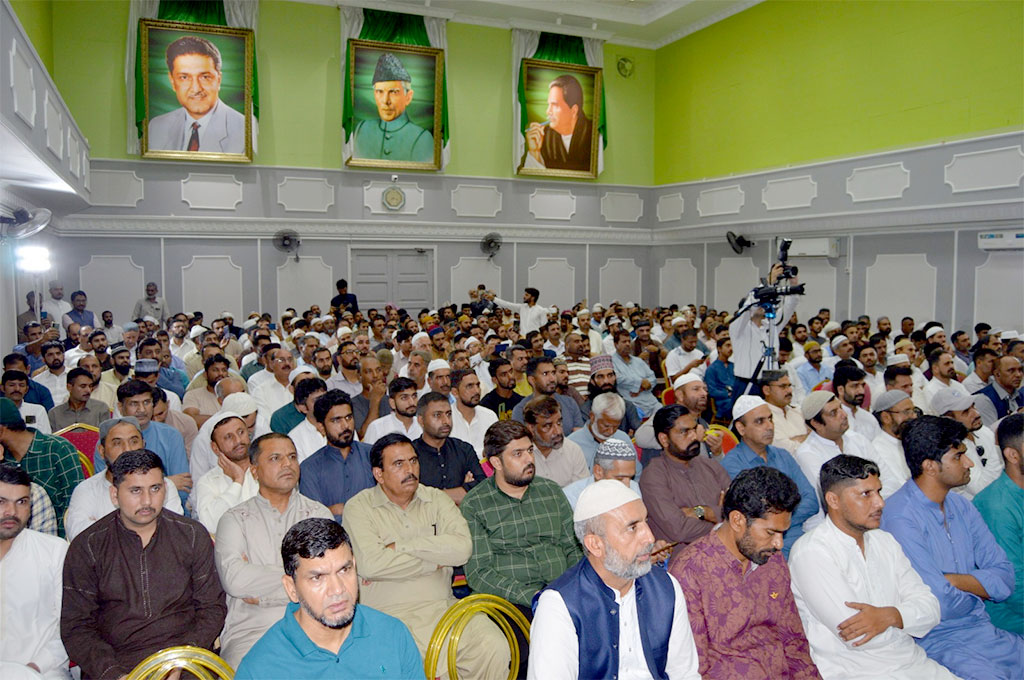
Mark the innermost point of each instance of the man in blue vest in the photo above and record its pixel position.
(611, 615)
(1003, 395)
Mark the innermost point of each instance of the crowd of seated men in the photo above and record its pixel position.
(307, 495)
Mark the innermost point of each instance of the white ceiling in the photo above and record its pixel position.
(640, 23)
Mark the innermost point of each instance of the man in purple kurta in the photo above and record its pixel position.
(744, 618)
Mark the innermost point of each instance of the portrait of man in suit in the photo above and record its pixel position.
(563, 141)
(204, 122)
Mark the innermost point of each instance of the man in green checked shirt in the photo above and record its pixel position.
(51, 461)
(521, 524)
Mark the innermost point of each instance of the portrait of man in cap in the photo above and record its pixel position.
(392, 135)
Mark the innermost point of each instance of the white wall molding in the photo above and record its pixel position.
(121, 188)
(622, 207)
(211, 283)
(620, 278)
(112, 282)
(901, 284)
(211, 192)
(374, 191)
(677, 280)
(556, 279)
(300, 284)
(791, 192)
(305, 194)
(670, 207)
(53, 122)
(552, 204)
(476, 200)
(469, 272)
(1000, 168)
(23, 87)
(727, 200)
(878, 182)
(74, 154)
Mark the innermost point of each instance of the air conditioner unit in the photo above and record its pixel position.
(1001, 240)
(814, 247)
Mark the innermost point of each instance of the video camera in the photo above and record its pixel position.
(768, 296)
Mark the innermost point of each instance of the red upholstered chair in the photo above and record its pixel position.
(668, 396)
(83, 437)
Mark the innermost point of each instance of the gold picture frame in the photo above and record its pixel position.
(396, 127)
(206, 60)
(549, 87)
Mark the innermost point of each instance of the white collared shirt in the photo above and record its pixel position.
(307, 439)
(31, 577)
(35, 416)
(91, 500)
(473, 432)
(816, 451)
(387, 425)
(57, 384)
(554, 645)
(788, 424)
(827, 569)
(933, 386)
(216, 493)
(863, 423)
(890, 454)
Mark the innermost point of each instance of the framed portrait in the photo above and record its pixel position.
(395, 94)
(563, 106)
(197, 85)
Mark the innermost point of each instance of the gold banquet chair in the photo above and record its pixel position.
(454, 622)
(200, 662)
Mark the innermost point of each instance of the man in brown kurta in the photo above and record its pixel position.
(682, 489)
(140, 579)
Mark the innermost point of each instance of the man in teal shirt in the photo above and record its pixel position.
(325, 633)
(393, 137)
(1001, 504)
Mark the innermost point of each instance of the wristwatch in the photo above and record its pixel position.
(699, 511)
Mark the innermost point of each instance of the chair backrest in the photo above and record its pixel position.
(455, 620)
(202, 663)
(729, 439)
(83, 437)
(668, 396)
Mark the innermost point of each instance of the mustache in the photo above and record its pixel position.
(410, 478)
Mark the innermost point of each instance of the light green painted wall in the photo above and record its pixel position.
(88, 60)
(36, 17)
(791, 82)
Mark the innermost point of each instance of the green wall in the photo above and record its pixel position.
(36, 17)
(792, 82)
(780, 83)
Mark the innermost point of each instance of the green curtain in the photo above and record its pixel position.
(567, 49)
(393, 27)
(194, 12)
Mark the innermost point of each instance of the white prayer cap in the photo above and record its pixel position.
(745, 404)
(297, 333)
(933, 330)
(150, 319)
(469, 341)
(1009, 335)
(814, 402)
(895, 359)
(685, 379)
(838, 340)
(343, 330)
(196, 331)
(830, 326)
(249, 323)
(227, 315)
(583, 311)
(222, 415)
(598, 307)
(601, 497)
(630, 305)
(419, 336)
(436, 365)
(241, 403)
(678, 320)
(951, 399)
(299, 370)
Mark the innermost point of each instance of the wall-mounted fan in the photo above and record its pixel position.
(490, 244)
(288, 241)
(737, 243)
(23, 224)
